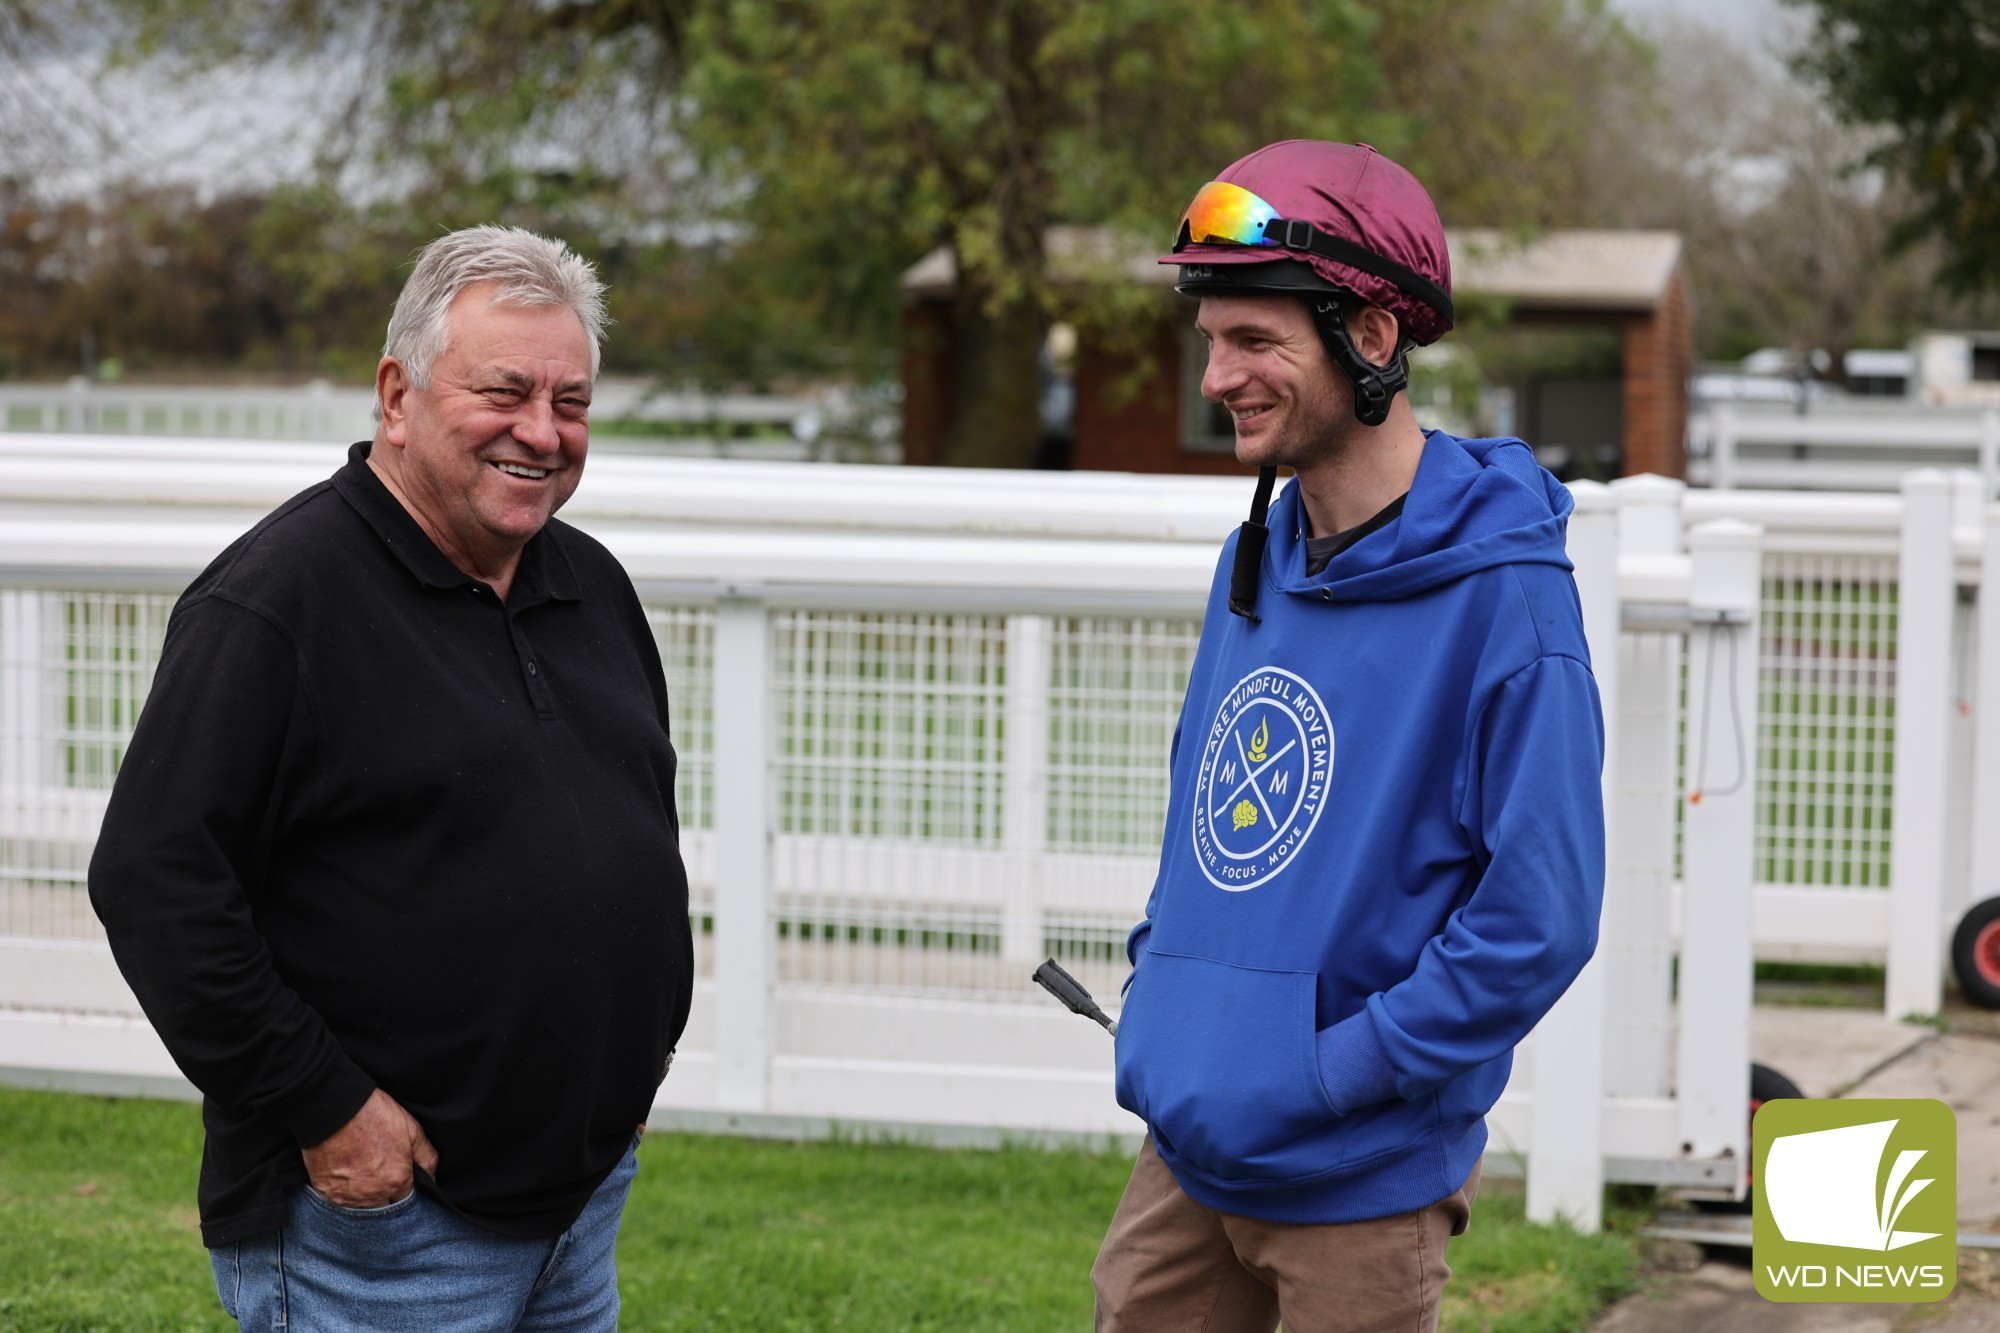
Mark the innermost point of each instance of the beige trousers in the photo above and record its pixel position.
(1169, 1264)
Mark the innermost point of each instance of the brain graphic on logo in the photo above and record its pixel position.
(1265, 764)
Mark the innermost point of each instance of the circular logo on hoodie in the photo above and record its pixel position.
(1265, 764)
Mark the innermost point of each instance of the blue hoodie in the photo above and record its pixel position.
(1384, 852)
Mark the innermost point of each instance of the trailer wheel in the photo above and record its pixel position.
(1766, 1085)
(1975, 953)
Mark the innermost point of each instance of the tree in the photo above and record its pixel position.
(977, 125)
(1784, 245)
(146, 275)
(776, 164)
(1785, 235)
(791, 158)
(1924, 71)
(863, 133)
(1521, 113)
(49, 120)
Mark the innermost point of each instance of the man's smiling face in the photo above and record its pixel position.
(496, 443)
(1267, 365)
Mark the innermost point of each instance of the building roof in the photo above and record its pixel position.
(1623, 271)
(1626, 272)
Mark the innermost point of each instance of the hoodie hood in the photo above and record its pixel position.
(1474, 504)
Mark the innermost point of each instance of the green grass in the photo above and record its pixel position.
(97, 1232)
(1822, 974)
(97, 1216)
(736, 1233)
(1511, 1277)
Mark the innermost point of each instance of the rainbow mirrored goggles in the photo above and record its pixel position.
(1225, 214)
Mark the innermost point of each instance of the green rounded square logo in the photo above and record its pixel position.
(1855, 1200)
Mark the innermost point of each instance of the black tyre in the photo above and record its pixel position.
(1975, 954)
(1766, 1085)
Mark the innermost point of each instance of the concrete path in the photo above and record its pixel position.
(1834, 1052)
(1719, 1297)
(1828, 1051)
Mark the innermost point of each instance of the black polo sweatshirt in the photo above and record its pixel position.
(376, 828)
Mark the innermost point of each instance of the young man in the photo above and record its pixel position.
(1384, 847)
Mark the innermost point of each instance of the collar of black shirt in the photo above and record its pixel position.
(544, 575)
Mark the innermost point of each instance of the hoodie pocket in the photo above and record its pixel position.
(1219, 1061)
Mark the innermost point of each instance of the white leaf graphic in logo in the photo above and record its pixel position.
(1820, 1188)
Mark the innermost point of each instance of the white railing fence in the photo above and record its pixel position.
(1846, 446)
(923, 727)
(314, 411)
(672, 421)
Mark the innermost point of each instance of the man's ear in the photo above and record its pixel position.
(392, 391)
(1375, 333)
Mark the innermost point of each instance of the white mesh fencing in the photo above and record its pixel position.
(75, 667)
(889, 727)
(891, 751)
(1825, 721)
(1115, 691)
(955, 795)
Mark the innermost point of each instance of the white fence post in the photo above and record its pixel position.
(1926, 592)
(1968, 505)
(1566, 1145)
(1641, 813)
(1985, 851)
(1989, 453)
(1712, 1058)
(78, 416)
(1025, 811)
(1968, 514)
(744, 782)
(1722, 449)
(23, 718)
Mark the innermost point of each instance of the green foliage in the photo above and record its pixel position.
(97, 1232)
(863, 134)
(1519, 114)
(148, 275)
(768, 168)
(851, 137)
(1925, 70)
(755, 175)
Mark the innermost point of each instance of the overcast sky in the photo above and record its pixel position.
(1765, 27)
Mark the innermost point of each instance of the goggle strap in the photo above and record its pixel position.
(1293, 234)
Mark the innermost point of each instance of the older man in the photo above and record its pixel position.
(393, 862)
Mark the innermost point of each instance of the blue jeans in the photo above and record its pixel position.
(415, 1264)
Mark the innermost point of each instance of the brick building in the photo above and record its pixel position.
(1145, 413)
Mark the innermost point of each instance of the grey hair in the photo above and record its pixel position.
(531, 270)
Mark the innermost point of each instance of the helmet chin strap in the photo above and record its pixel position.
(1250, 538)
(1375, 387)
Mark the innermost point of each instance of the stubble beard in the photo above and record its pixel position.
(1306, 438)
